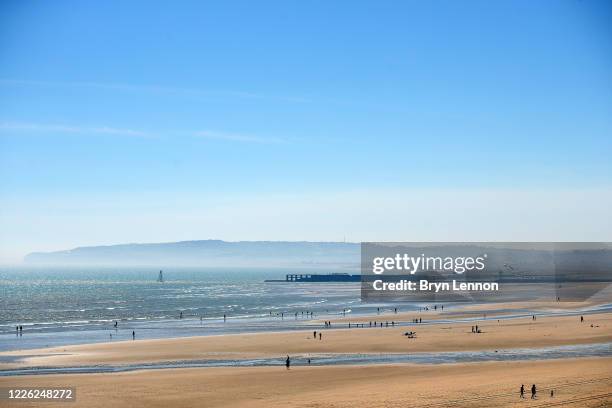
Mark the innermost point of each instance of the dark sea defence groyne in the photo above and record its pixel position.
(317, 277)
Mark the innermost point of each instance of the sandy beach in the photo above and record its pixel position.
(580, 383)
(584, 382)
(503, 334)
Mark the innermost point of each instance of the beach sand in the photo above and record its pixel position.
(580, 383)
(584, 382)
(505, 334)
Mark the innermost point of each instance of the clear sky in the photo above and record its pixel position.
(148, 121)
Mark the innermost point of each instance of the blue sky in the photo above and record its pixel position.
(147, 121)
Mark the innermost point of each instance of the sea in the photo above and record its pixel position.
(60, 306)
(69, 305)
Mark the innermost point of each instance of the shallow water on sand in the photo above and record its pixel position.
(546, 353)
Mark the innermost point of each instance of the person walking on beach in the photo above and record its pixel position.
(224, 318)
(523, 391)
(314, 334)
(320, 335)
(133, 335)
(288, 362)
(581, 319)
(533, 391)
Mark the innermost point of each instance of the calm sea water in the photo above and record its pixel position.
(80, 305)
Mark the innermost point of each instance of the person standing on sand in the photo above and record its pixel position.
(314, 334)
(581, 319)
(288, 362)
(133, 335)
(320, 335)
(533, 391)
(523, 391)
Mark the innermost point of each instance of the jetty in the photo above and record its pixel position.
(314, 277)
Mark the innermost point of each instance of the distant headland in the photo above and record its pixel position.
(207, 253)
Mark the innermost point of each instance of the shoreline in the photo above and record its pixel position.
(192, 327)
(505, 334)
(379, 367)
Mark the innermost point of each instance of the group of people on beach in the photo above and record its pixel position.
(19, 330)
(309, 314)
(371, 324)
(426, 308)
(534, 391)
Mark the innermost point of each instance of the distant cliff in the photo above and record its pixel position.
(207, 253)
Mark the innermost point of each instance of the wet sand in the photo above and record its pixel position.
(505, 334)
(580, 383)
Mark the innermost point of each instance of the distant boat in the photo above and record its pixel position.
(160, 278)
